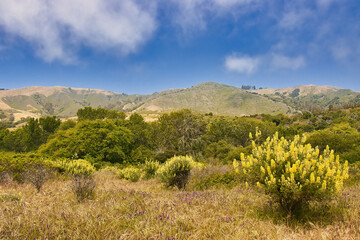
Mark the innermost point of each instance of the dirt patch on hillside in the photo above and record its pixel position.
(24, 114)
(153, 108)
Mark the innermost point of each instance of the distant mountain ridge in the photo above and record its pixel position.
(204, 98)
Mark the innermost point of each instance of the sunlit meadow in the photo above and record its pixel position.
(145, 210)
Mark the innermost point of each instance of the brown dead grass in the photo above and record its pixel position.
(144, 210)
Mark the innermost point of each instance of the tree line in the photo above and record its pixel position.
(107, 136)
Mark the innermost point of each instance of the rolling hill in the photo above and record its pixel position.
(216, 98)
(62, 101)
(311, 97)
(205, 97)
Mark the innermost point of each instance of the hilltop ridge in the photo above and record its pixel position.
(205, 97)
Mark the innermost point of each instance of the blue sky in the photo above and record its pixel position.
(143, 46)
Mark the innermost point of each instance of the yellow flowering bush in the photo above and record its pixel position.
(83, 183)
(110, 169)
(293, 173)
(150, 167)
(79, 167)
(131, 173)
(176, 170)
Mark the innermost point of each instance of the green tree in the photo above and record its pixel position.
(89, 113)
(26, 138)
(67, 124)
(219, 150)
(3, 134)
(139, 128)
(49, 124)
(100, 140)
(180, 131)
(236, 130)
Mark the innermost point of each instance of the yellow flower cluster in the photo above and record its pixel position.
(79, 167)
(292, 164)
(131, 173)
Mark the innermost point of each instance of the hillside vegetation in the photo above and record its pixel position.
(216, 98)
(311, 97)
(208, 97)
(64, 102)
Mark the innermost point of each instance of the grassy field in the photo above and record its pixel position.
(145, 210)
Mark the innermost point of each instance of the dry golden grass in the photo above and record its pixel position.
(144, 210)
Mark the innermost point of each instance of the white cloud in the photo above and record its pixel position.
(56, 28)
(231, 3)
(294, 19)
(285, 62)
(242, 64)
(191, 15)
(324, 3)
(340, 52)
(246, 64)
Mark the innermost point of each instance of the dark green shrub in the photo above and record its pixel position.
(140, 155)
(218, 150)
(163, 156)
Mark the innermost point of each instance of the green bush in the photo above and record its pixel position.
(218, 150)
(163, 156)
(342, 138)
(235, 153)
(140, 155)
(294, 173)
(213, 177)
(354, 173)
(176, 171)
(15, 165)
(150, 168)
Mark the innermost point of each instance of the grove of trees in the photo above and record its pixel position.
(107, 136)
